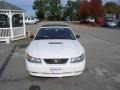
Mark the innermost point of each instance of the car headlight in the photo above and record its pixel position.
(78, 59)
(33, 59)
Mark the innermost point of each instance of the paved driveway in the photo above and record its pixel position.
(102, 70)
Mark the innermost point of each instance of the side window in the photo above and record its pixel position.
(28, 18)
(32, 18)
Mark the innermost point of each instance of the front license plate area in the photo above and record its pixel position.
(56, 70)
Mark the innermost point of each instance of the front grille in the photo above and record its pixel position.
(56, 61)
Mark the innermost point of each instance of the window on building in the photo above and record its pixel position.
(4, 21)
(17, 20)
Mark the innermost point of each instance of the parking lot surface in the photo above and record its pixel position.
(102, 71)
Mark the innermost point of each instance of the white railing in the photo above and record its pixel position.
(4, 32)
(18, 31)
(7, 34)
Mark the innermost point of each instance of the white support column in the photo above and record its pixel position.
(11, 27)
(24, 26)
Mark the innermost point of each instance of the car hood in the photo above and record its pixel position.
(55, 49)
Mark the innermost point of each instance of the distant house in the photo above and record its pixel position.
(12, 24)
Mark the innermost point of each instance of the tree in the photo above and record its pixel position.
(38, 6)
(83, 10)
(119, 9)
(55, 8)
(71, 9)
(43, 6)
(96, 8)
(112, 8)
(91, 8)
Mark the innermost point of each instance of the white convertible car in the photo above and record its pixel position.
(55, 52)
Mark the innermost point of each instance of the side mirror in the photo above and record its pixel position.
(77, 36)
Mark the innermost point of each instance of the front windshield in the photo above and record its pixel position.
(55, 33)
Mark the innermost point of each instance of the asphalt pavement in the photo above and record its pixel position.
(102, 71)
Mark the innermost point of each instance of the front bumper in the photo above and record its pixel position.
(55, 70)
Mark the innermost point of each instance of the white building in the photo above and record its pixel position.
(12, 25)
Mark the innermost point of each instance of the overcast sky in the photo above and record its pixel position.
(27, 4)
